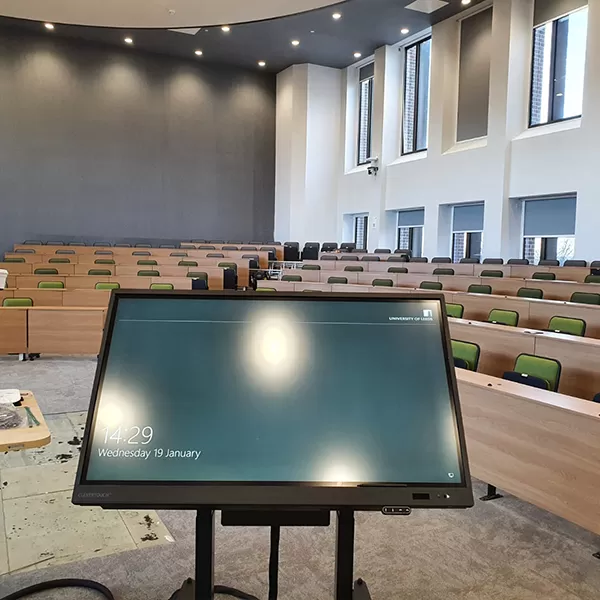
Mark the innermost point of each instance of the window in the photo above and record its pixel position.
(415, 117)
(549, 229)
(467, 231)
(365, 112)
(410, 231)
(466, 244)
(558, 69)
(360, 232)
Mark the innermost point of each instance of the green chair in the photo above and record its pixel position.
(476, 288)
(291, 278)
(148, 273)
(382, 283)
(491, 273)
(431, 285)
(592, 279)
(535, 371)
(334, 280)
(162, 286)
(18, 302)
(567, 325)
(51, 285)
(100, 272)
(397, 270)
(456, 311)
(266, 289)
(585, 298)
(530, 293)
(355, 268)
(466, 355)
(147, 263)
(104, 261)
(510, 318)
(45, 271)
(544, 275)
(107, 285)
(187, 263)
(15, 259)
(443, 271)
(198, 275)
(59, 260)
(311, 267)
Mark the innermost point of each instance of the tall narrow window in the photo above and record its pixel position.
(558, 69)
(415, 117)
(365, 112)
(360, 232)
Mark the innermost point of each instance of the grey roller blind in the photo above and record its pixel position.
(468, 217)
(474, 76)
(550, 217)
(366, 71)
(411, 218)
(548, 10)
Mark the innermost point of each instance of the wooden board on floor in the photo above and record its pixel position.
(22, 438)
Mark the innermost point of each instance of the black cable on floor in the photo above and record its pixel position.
(59, 583)
(274, 562)
(228, 591)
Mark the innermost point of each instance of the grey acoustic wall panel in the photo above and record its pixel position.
(555, 216)
(411, 218)
(548, 10)
(474, 76)
(468, 217)
(101, 143)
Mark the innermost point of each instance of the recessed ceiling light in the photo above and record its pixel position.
(357, 55)
(262, 63)
(128, 40)
(465, 2)
(48, 26)
(295, 42)
(226, 28)
(312, 30)
(404, 31)
(198, 53)
(336, 16)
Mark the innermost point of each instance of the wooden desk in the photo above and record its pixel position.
(65, 331)
(13, 330)
(17, 268)
(26, 437)
(539, 446)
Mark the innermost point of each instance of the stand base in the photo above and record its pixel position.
(596, 555)
(492, 494)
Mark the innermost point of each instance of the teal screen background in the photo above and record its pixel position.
(258, 390)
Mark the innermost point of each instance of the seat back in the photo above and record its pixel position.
(162, 286)
(469, 261)
(370, 258)
(248, 248)
(76, 244)
(355, 268)
(456, 311)
(567, 325)
(585, 298)
(15, 259)
(228, 265)
(311, 267)
(382, 251)
(50, 285)
(530, 293)
(107, 285)
(504, 317)
(45, 271)
(329, 246)
(352, 257)
(148, 273)
(397, 270)
(544, 275)
(430, 285)
(32, 242)
(198, 275)
(147, 263)
(17, 302)
(122, 245)
(101, 272)
(59, 260)
(476, 288)
(178, 254)
(335, 279)
(401, 259)
(441, 259)
(65, 252)
(517, 261)
(547, 262)
(466, 353)
(206, 247)
(215, 255)
(382, 283)
(141, 253)
(491, 273)
(592, 279)
(143, 245)
(229, 247)
(104, 261)
(575, 263)
(291, 278)
(418, 259)
(104, 252)
(493, 261)
(329, 257)
(547, 369)
(168, 246)
(348, 246)
(443, 271)
(595, 264)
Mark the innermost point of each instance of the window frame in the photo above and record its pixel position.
(371, 81)
(552, 89)
(544, 243)
(365, 231)
(415, 134)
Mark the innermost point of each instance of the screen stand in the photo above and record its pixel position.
(202, 588)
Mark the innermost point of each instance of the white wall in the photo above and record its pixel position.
(511, 161)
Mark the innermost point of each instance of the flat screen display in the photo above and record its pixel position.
(306, 390)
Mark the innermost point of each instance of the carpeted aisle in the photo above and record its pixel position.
(502, 550)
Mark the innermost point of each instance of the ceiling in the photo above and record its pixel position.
(364, 26)
(155, 13)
